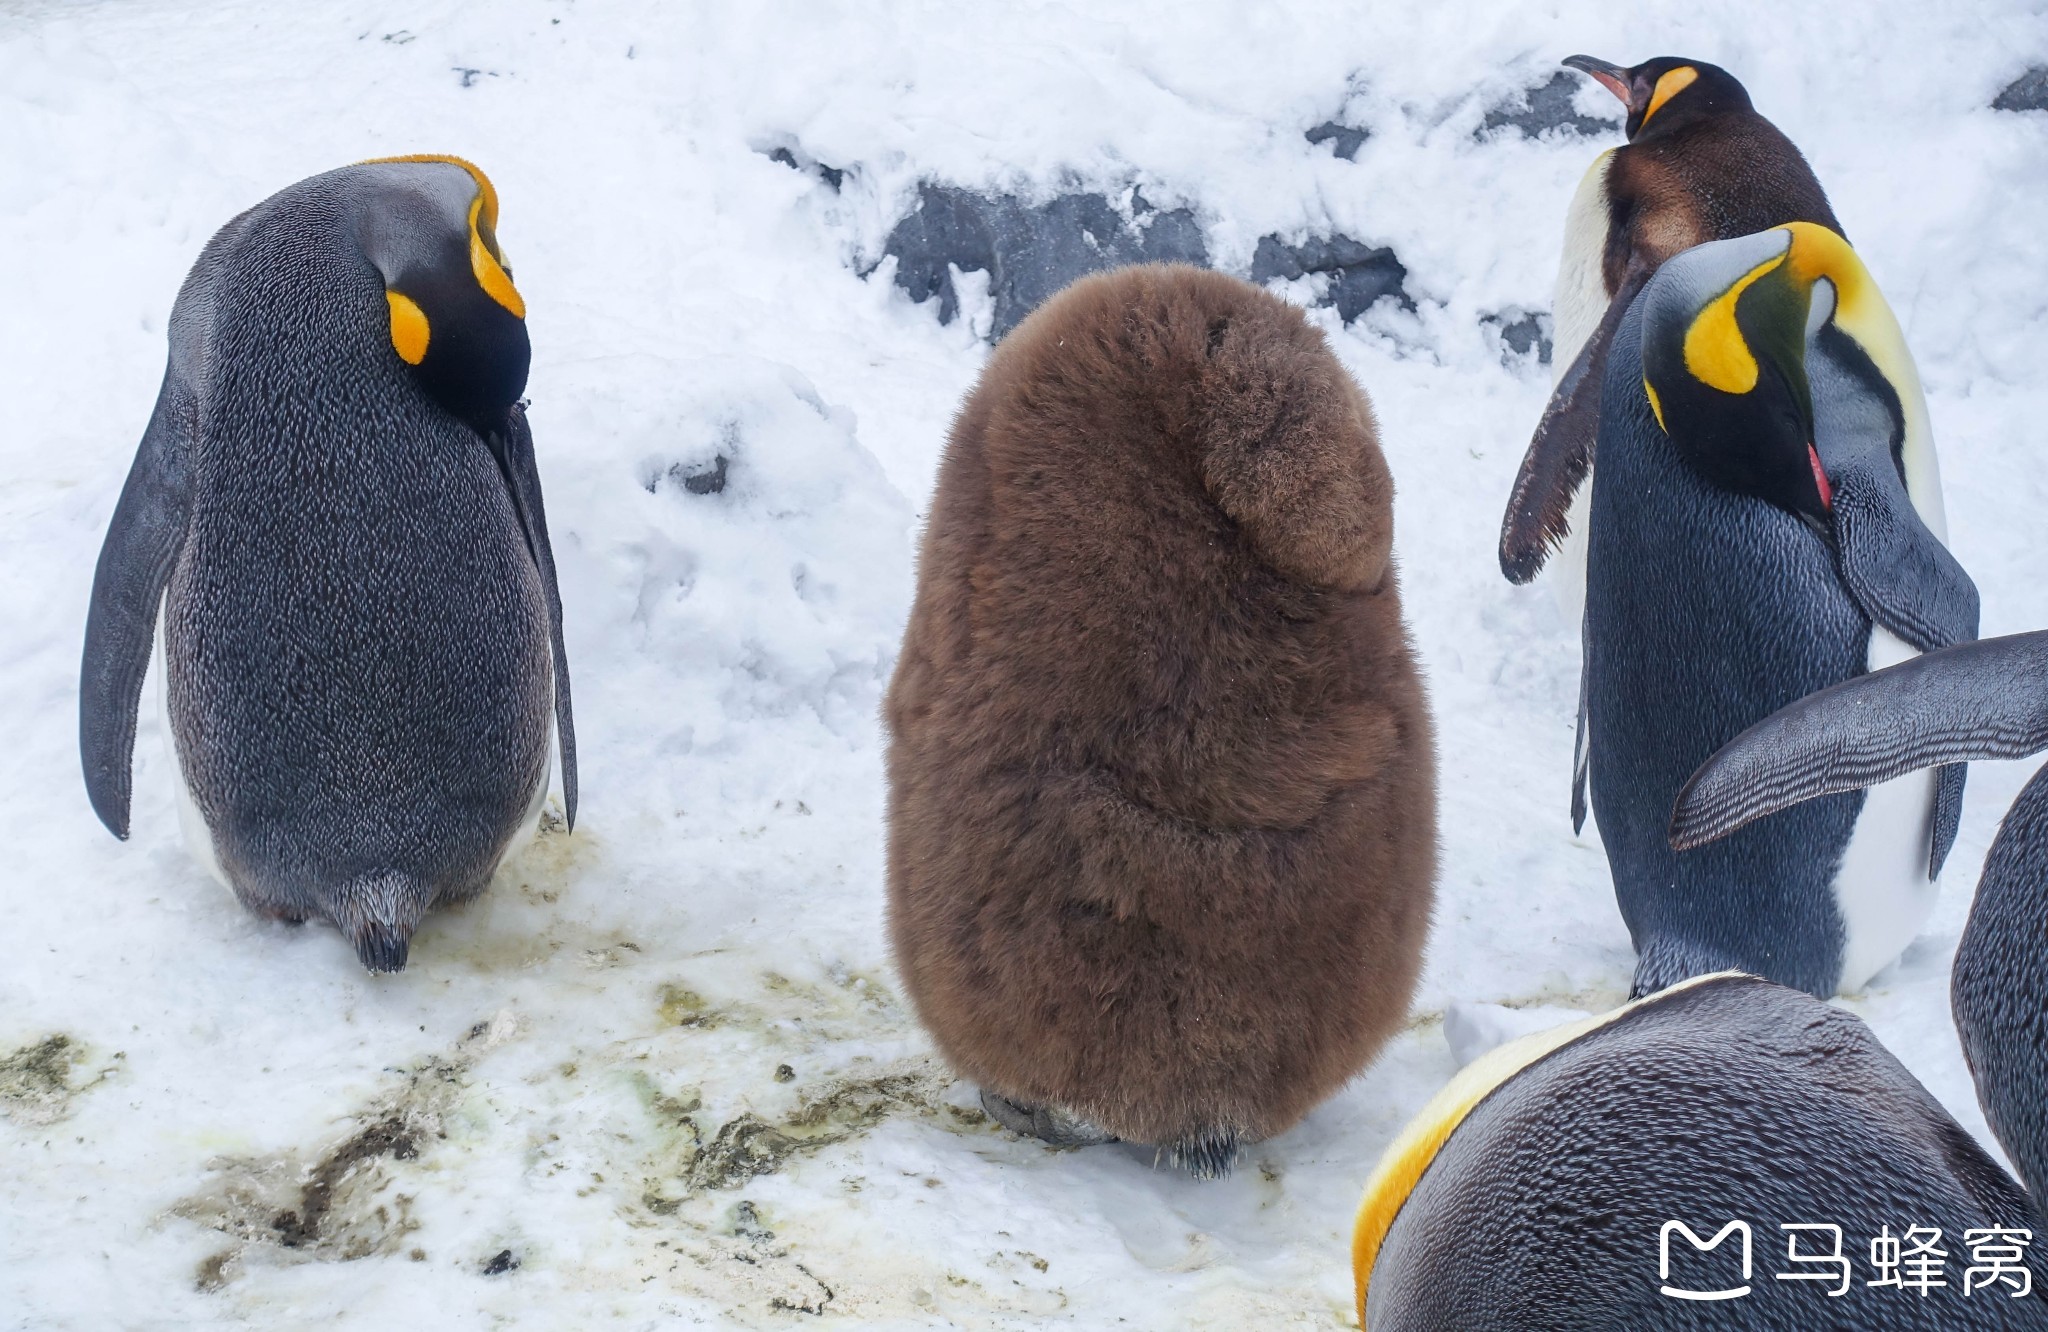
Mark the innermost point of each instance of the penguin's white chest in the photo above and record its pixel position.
(1881, 888)
(1578, 304)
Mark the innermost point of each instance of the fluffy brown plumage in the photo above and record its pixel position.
(1162, 820)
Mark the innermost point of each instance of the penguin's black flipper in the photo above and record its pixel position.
(1907, 581)
(136, 560)
(1977, 700)
(1561, 452)
(1900, 573)
(514, 449)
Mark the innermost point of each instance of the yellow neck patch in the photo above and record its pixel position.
(1409, 1156)
(1669, 85)
(1862, 312)
(1716, 353)
(409, 330)
(484, 260)
(1656, 407)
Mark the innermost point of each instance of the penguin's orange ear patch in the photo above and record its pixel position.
(409, 331)
(1669, 85)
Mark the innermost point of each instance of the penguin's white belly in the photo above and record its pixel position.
(1882, 888)
(1568, 561)
(547, 763)
(197, 832)
(1578, 304)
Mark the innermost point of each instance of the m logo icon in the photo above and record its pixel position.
(1701, 1246)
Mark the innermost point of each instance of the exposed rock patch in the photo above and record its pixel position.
(1357, 275)
(1521, 332)
(793, 156)
(2028, 92)
(1549, 106)
(1344, 140)
(1029, 250)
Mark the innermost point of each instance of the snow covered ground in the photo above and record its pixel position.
(661, 1073)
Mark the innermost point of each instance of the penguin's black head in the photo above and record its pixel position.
(428, 226)
(1737, 333)
(1666, 94)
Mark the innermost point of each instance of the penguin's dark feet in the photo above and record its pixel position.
(1211, 1155)
(1043, 1122)
(381, 947)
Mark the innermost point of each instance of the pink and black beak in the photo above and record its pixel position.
(1612, 77)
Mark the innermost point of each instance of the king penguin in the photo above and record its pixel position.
(1162, 778)
(1767, 521)
(1728, 1153)
(1725, 1154)
(336, 510)
(1700, 165)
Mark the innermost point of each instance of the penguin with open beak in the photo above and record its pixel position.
(1729, 1153)
(1767, 521)
(1700, 165)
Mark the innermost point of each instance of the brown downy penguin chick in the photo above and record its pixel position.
(1700, 165)
(1162, 819)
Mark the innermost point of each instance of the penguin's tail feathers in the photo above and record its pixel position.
(1208, 1154)
(382, 947)
(379, 913)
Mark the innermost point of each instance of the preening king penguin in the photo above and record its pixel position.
(1766, 522)
(1700, 165)
(337, 511)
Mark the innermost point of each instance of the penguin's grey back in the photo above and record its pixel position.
(1731, 1099)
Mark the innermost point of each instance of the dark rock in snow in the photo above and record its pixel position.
(500, 1263)
(833, 176)
(1520, 332)
(1346, 139)
(703, 480)
(1547, 107)
(1028, 250)
(1359, 274)
(2028, 92)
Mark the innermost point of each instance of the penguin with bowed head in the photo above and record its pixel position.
(1162, 816)
(1767, 521)
(1700, 165)
(337, 514)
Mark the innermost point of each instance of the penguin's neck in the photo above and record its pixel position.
(2000, 989)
